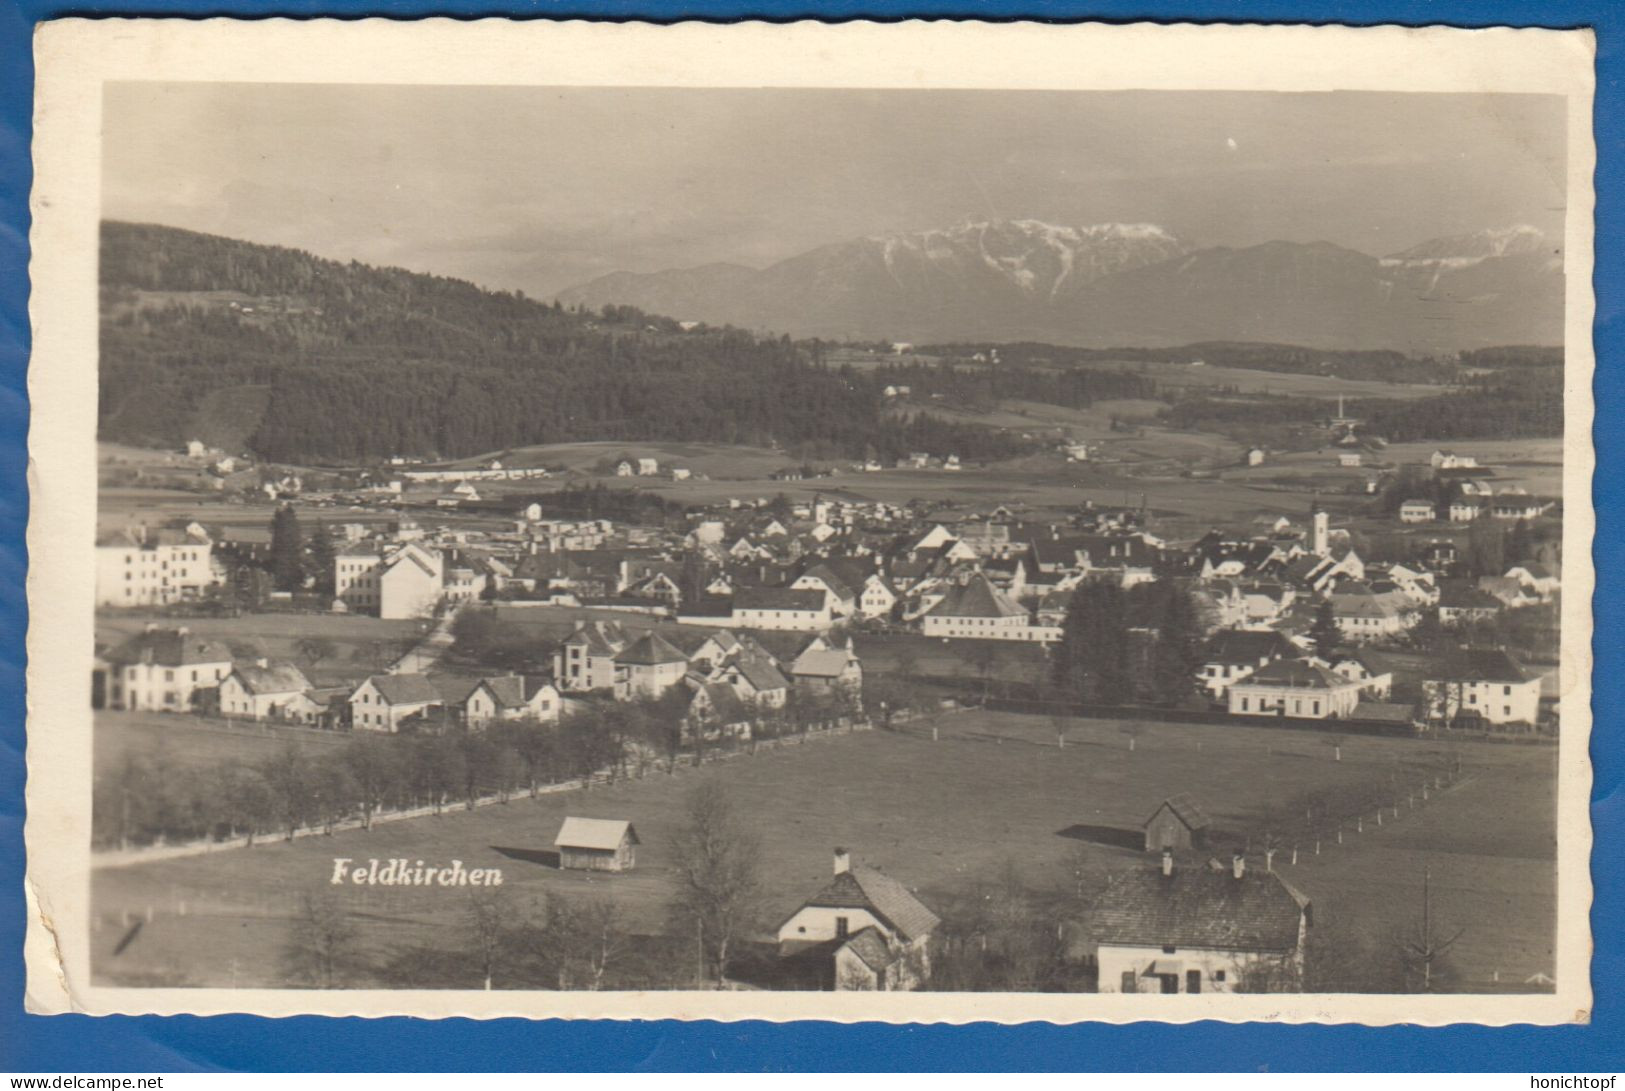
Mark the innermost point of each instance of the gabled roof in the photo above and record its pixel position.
(510, 690)
(871, 948)
(724, 703)
(600, 637)
(604, 834)
(1185, 809)
(779, 598)
(406, 689)
(1200, 907)
(977, 598)
(1245, 646)
(650, 649)
(280, 677)
(889, 900)
(758, 669)
(821, 663)
(169, 648)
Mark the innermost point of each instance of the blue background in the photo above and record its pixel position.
(81, 1044)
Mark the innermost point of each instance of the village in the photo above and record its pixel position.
(497, 640)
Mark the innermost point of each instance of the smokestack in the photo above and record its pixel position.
(1167, 862)
(1238, 865)
(843, 861)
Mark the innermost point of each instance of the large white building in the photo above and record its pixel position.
(162, 670)
(142, 567)
(1482, 683)
(1289, 687)
(977, 610)
(403, 581)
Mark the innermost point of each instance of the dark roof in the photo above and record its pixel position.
(1461, 595)
(406, 689)
(169, 648)
(1384, 712)
(871, 947)
(758, 669)
(1200, 907)
(1184, 809)
(1246, 646)
(510, 690)
(885, 897)
(1294, 673)
(650, 649)
(778, 598)
(1482, 665)
(600, 637)
(977, 598)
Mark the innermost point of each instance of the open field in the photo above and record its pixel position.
(180, 741)
(897, 799)
(364, 644)
(712, 459)
(1277, 383)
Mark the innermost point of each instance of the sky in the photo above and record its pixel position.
(541, 189)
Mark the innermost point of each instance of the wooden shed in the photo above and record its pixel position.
(597, 844)
(1177, 824)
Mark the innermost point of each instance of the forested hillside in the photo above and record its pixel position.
(354, 362)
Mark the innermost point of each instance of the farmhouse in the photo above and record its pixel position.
(1194, 929)
(1485, 684)
(861, 930)
(977, 610)
(828, 670)
(1449, 460)
(510, 697)
(263, 690)
(383, 701)
(162, 669)
(1363, 616)
(597, 844)
(782, 608)
(1374, 682)
(1177, 823)
(1349, 459)
(1536, 578)
(878, 597)
(1460, 601)
(1294, 688)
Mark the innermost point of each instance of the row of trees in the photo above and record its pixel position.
(149, 798)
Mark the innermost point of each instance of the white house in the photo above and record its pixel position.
(878, 597)
(1294, 688)
(511, 697)
(263, 690)
(782, 608)
(1416, 511)
(1200, 928)
(163, 669)
(383, 701)
(586, 658)
(648, 467)
(861, 930)
(648, 667)
(1482, 684)
(977, 610)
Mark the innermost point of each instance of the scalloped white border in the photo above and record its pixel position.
(74, 57)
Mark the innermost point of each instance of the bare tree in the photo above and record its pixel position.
(588, 937)
(315, 650)
(321, 939)
(718, 869)
(1424, 947)
(487, 921)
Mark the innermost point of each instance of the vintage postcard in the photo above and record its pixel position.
(926, 522)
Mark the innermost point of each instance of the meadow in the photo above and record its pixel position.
(898, 801)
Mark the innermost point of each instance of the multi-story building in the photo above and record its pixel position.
(142, 567)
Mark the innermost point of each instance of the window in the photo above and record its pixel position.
(1506, 691)
(1193, 981)
(1167, 950)
(841, 927)
(1130, 983)
(169, 676)
(1218, 975)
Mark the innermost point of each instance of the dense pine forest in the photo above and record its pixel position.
(318, 360)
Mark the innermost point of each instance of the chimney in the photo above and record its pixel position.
(843, 861)
(1167, 862)
(1238, 865)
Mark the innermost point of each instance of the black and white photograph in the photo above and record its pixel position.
(735, 541)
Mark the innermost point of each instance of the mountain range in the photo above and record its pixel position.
(1124, 284)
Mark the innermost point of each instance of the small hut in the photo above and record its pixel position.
(597, 844)
(1177, 824)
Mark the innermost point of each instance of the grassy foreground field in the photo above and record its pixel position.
(939, 816)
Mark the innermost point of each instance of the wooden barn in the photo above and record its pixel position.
(597, 844)
(1177, 824)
